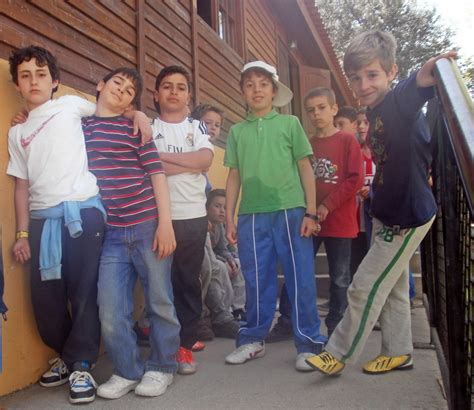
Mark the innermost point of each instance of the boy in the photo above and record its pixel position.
(346, 120)
(185, 151)
(54, 187)
(403, 206)
(338, 174)
(133, 187)
(227, 287)
(212, 116)
(268, 154)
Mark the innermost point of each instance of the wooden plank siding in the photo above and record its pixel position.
(260, 32)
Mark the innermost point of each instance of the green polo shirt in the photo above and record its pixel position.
(266, 150)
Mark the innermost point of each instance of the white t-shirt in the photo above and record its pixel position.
(49, 151)
(187, 190)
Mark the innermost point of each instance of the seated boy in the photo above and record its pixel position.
(403, 206)
(268, 154)
(186, 152)
(346, 120)
(138, 243)
(227, 287)
(338, 174)
(57, 197)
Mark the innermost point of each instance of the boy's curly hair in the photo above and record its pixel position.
(369, 46)
(42, 56)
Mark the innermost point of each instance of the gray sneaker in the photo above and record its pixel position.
(301, 364)
(228, 329)
(154, 384)
(246, 352)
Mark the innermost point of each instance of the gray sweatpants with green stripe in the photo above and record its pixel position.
(379, 288)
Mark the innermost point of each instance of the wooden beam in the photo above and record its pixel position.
(140, 28)
(195, 51)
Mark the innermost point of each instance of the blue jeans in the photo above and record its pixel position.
(263, 239)
(338, 252)
(126, 255)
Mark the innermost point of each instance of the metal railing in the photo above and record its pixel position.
(448, 250)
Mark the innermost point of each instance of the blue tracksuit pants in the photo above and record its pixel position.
(263, 239)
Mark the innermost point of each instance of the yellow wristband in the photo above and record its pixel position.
(22, 234)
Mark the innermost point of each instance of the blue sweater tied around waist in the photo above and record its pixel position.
(51, 244)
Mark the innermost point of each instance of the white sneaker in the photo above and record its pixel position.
(116, 387)
(301, 364)
(154, 384)
(246, 352)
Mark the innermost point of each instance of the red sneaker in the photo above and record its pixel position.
(198, 346)
(186, 364)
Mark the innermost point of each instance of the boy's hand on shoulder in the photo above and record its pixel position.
(19, 118)
(164, 242)
(21, 250)
(425, 76)
(231, 232)
(141, 123)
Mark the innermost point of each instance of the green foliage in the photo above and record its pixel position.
(419, 32)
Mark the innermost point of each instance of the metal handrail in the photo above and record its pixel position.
(459, 115)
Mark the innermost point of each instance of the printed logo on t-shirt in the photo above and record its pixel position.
(27, 141)
(326, 170)
(190, 139)
(377, 145)
(159, 136)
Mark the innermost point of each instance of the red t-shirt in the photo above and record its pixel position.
(339, 175)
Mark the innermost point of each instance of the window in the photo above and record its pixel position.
(224, 16)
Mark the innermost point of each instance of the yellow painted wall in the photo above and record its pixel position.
(24, 355)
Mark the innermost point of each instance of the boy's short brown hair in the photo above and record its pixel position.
(369, 46)
(43, 57)
(203, 109)
(133, 75)
(347, 112)
(259, 71)
(321, 92)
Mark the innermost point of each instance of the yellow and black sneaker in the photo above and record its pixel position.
(326, 363)
(384, 364)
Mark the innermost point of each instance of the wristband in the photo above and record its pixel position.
(311, 216)
(22, 234)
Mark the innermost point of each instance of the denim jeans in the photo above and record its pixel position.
(338, 251)
(126, 255)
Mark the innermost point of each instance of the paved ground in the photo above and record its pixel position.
(272, 382)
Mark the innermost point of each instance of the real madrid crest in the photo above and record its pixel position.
(190, 140)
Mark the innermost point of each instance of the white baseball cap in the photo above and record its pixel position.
(283, 95)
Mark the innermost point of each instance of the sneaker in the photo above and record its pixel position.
(384, 364)
(154, 384)
(240, 315)
(279, 333)
(301, 364)
(326, 363)
(116, 387)
(186, 364)
(228, 329)
(82, 387)
(57, 375)
(143, 335)
(198, 346)
(204, 330)
(246, 352)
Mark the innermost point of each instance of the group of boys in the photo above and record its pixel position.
(95, 211)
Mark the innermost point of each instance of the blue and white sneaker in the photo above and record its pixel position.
(82, 387)
(57, 375)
